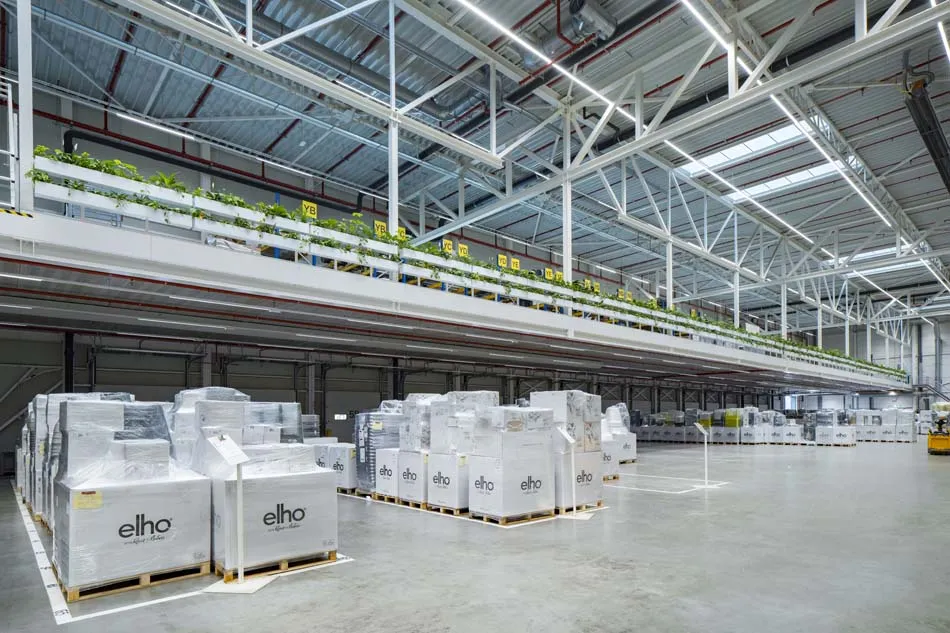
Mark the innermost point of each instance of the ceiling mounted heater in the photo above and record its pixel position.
(917, 100)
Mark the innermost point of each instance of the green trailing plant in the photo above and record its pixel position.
(38, 175)
(169, 181)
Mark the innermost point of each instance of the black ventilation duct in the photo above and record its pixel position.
(922, 111)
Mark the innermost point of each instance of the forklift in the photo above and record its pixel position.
(938, 441)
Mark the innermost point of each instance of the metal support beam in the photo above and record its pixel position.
(567, 215)
(784, 308)
(860, 19)
(318, 24)
(821, 318)
(24, 147)
(735, 298)
(867, 335)
(669, 273)
(393, 223)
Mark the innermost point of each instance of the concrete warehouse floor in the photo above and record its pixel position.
(800, 539)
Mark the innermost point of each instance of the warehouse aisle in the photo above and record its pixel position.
(843, 538)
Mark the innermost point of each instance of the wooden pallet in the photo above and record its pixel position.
(580, 507)
(412, 504)
(131, 583)
(515, 520)
(629, 461)
(346, 491)
(611, 477)
(453, 511)
(386, 498)
(276, 567)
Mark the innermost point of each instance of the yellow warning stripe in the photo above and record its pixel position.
(22, 214)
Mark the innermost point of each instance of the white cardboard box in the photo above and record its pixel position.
(286, 516)
(588, 478)
(888, 433)
(905, 432)
(447, 481)
(610, 454)
(511, 444)
(341, 459)
(387, 469)
(730, 435)
(789, 434)
(844, 435)
(628, 446)
(715, 434)
(502, 487)
(323, 454)
(412, 475)
(872, 433)
(824, 435)
(108, 530)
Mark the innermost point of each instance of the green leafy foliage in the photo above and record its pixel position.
(169, 181)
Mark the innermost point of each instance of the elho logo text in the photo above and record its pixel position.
(441, 480)
(607, 457)
(284, 515)
(530, 484)
(409, 475)
(144, 527)
(338, 466)
(386, 471)
(584, 477)
(483, 484)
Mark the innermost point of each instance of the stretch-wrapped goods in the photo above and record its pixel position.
(373, 431)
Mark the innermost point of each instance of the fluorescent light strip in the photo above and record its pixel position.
(547, 60)
(567, 362)
(740, 192)
(618, 367)
(185, 323)
(292, 170)
(605, 269)
(382, 325)
(336, 339)
(13, 307)
(194, 15)
(19, 277)
(490, 338)
(675, 362)
(431, 348)
(568, 348)
(506, 356)
(154, 126)
(224, 303)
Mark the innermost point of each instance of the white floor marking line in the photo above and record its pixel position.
(56, 601)
(665, 492)
(137, 605)
(664, 477)
(452, 516)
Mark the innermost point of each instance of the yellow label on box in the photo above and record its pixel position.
(559, 276)
(380, 227)
(549, 274)
(447, 246)
(401, 232)
(515, 263)
(463, 250)
(502, 260)
(425, 458)
(89, 500)
(309, 209)
(629, 296)
(376, 426)
(461, 460)
(353, 453)
(597, 287)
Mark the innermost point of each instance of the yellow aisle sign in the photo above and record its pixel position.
(620, 294)
(447, 247)
(515, 263)
(559, 276)
(587, 284)
(597, 287)
(549, 274)
(401, 232)
(463, 250)
(380, 227)
(629, 296)
(502, 261)
(309, 209)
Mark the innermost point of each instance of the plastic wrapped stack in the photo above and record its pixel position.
(122, 507)
(290, 503)
(184, 430)
(414, 440)
(578, 414)
(616, 427)
(511, 469)
(374, 431)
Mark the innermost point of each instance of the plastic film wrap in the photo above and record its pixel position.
(373, 431)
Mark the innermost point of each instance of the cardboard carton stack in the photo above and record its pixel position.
(579, 415)
(414, 441)
(374, 431)
(185, 430)
(121, 506)
(290, 503)
(617, 423)
(511, 470)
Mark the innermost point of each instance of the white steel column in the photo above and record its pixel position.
(784, 311)
(567, 216)
(393, 224)
(735, 298)
(860, 19)
(24, 47)
(847, 321)
(732, 59)
(669, 274)
(867, 334)
(887, 350)
(249, 22)
(820, 319)
(493, 106)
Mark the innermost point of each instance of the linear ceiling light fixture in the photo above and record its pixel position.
(335, 339)
(19, 277)
(154, 126)
(382, 325)
(490, 338)
(227, 304)
(520, 41)
(943, 33)
(184, 323)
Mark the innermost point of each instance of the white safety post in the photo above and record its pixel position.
(240, 525)
(571, 441)
(702, 429)
(232, 454)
